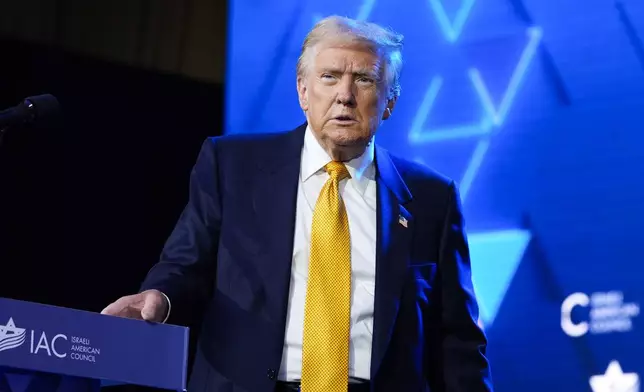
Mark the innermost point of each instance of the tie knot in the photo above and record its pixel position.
(337, 170)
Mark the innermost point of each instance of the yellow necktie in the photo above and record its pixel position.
(325, 347)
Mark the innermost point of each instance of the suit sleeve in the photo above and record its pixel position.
(186, 270)
(465, 366)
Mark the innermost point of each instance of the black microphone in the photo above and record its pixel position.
(40, 107)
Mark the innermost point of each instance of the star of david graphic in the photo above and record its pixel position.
(503, 248)
(11, 336)
(615, 380)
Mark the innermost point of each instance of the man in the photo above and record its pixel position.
(314, 258)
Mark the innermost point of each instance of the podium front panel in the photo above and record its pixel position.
(84, 344)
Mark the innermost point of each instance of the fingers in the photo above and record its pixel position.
(129, 306)
(149, 305)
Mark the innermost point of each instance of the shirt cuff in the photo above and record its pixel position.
(167, 315)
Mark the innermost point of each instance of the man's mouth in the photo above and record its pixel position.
(345, 118)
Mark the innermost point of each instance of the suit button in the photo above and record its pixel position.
(271, 373)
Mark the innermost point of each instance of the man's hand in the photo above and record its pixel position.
(150, 305)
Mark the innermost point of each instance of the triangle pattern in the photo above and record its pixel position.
(365, 9)
(364, 12)
(418, 134)
(451, 28)
(497, 113)
(495, 258)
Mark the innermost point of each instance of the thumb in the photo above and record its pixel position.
(152, 308)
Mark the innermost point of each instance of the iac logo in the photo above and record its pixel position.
(598, 313)
(10, 336)
(13, 337)
(60, 345)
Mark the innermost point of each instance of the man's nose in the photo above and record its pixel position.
(345, 94)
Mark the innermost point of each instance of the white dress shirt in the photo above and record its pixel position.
(359, 195)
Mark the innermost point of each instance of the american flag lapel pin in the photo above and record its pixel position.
(402, 220)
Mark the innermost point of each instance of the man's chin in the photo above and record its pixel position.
(347, 137)
(350, 142)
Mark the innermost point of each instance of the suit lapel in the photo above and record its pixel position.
(274, 204)
(395, 227)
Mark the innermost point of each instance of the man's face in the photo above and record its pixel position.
(344, 94)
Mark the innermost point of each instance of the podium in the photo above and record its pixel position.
(46, 348)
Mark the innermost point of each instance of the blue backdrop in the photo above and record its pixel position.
(536, 108)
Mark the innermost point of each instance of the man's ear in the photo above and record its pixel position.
(390, 108)
(302, 93)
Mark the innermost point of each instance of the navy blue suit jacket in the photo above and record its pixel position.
(228, 264)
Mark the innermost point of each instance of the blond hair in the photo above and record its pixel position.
(386, 42)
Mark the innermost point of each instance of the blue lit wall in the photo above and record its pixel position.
(536, 107)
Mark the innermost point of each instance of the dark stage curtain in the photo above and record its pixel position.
(87, 201)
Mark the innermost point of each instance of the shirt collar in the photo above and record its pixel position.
(314, 157)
